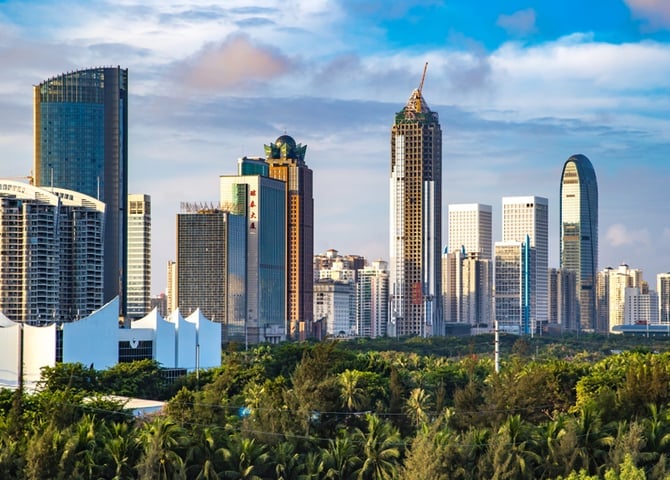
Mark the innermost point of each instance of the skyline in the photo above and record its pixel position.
(518, 91)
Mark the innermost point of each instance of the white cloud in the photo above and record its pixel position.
(618, 235)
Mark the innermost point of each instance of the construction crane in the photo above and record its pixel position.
(418, 97)
(30, 178)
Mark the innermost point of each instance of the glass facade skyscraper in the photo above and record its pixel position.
(81, 144)
(261, 200)
(579, 234)
(416, 220)
(211, 249)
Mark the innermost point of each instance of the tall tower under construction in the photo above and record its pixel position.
(415, 219)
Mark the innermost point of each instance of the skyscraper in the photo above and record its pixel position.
(81, 144)
(529, 216)
(415, 219)
(470, 227)
(262, 201)
(211, 253)
(138, 294)
(287, 162)
(579, 234)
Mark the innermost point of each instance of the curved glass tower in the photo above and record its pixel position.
(579, 235)
(81, 144)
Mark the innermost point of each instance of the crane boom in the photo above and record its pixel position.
(423, 77)
(418, 97)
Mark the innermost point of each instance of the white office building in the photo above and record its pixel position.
(138, 274)
(470, 229)
(529, 216)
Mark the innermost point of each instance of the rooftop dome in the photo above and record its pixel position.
(285, 139)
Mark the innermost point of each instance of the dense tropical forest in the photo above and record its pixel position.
(571, 408)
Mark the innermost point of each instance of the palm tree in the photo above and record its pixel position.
(418, 406)
(513, 454)
(245, 459)
(656, 431)
(162, 440)
(548, 440)
(380, 449)
(351, 393)
(340, 458)
(593, 442)
(206, 453)
(78, 457)
(313, 464)
(288, 464)
(120, 448)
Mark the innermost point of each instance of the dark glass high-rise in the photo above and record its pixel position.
(81, 143)
(579, 235)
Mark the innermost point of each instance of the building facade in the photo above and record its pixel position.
(663, 290)
(335, 307)
(51, 252)
(529, 216)
(416, 220)
(562, 299)
(81, 144)
(470, 227)
(467, 266)
(286, 161)
(138, 294)
(171, 288)
(640, 306)
(451, 285)
(513, 286)
(612, 285)
(476, 297)
(262, 201)
(372, 294)
(211, 269)
(579, 234)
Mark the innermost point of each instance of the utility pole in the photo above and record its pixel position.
(496, 343)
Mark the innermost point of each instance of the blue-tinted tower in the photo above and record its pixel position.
(81, 144)
(579, 235)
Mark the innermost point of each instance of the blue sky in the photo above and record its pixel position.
(519, 87)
